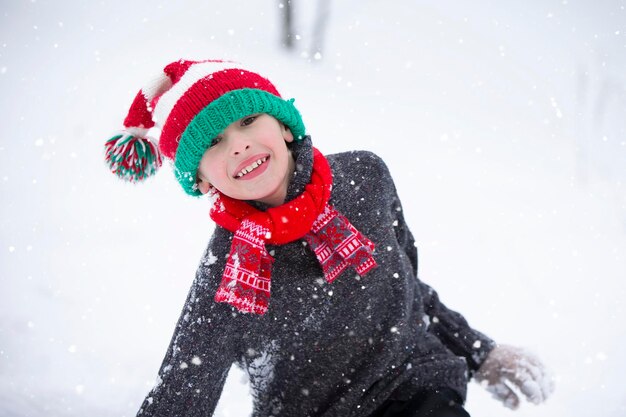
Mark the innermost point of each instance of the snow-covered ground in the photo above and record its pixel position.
(504, 124)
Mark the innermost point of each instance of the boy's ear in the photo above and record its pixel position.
(287, 135)
(203, 186)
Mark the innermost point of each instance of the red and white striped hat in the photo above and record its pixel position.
(191, 102)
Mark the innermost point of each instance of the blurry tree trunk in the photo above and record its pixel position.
(287, 20)
(600, 129)
(582, 134)
(319, 27)
(318, 31)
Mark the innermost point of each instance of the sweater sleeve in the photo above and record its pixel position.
(199, 356)
(447, 325)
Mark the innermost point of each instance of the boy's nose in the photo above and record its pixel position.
(238, 144)
(238, 150)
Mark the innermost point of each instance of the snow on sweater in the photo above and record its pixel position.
(322, 349)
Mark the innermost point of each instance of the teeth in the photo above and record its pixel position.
(251, 167)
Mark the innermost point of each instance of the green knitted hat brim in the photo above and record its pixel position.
(220, 113)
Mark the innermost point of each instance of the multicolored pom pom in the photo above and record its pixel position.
(132, 158)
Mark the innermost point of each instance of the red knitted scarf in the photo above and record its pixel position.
(335, 241)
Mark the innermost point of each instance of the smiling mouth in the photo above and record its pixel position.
(251, 167)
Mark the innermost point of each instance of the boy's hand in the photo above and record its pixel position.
(508, 369)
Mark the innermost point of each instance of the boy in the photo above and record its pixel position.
(349, 329)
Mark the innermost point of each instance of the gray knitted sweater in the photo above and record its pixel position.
(322, 349)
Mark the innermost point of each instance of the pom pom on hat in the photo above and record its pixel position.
(191, 102)
(132, 157)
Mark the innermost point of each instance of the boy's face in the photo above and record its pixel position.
(249, 160)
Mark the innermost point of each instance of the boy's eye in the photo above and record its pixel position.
(216, 140)
(248, 120)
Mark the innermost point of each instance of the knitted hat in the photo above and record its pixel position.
(192, 102)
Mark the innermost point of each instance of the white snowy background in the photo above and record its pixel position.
(503, 123)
